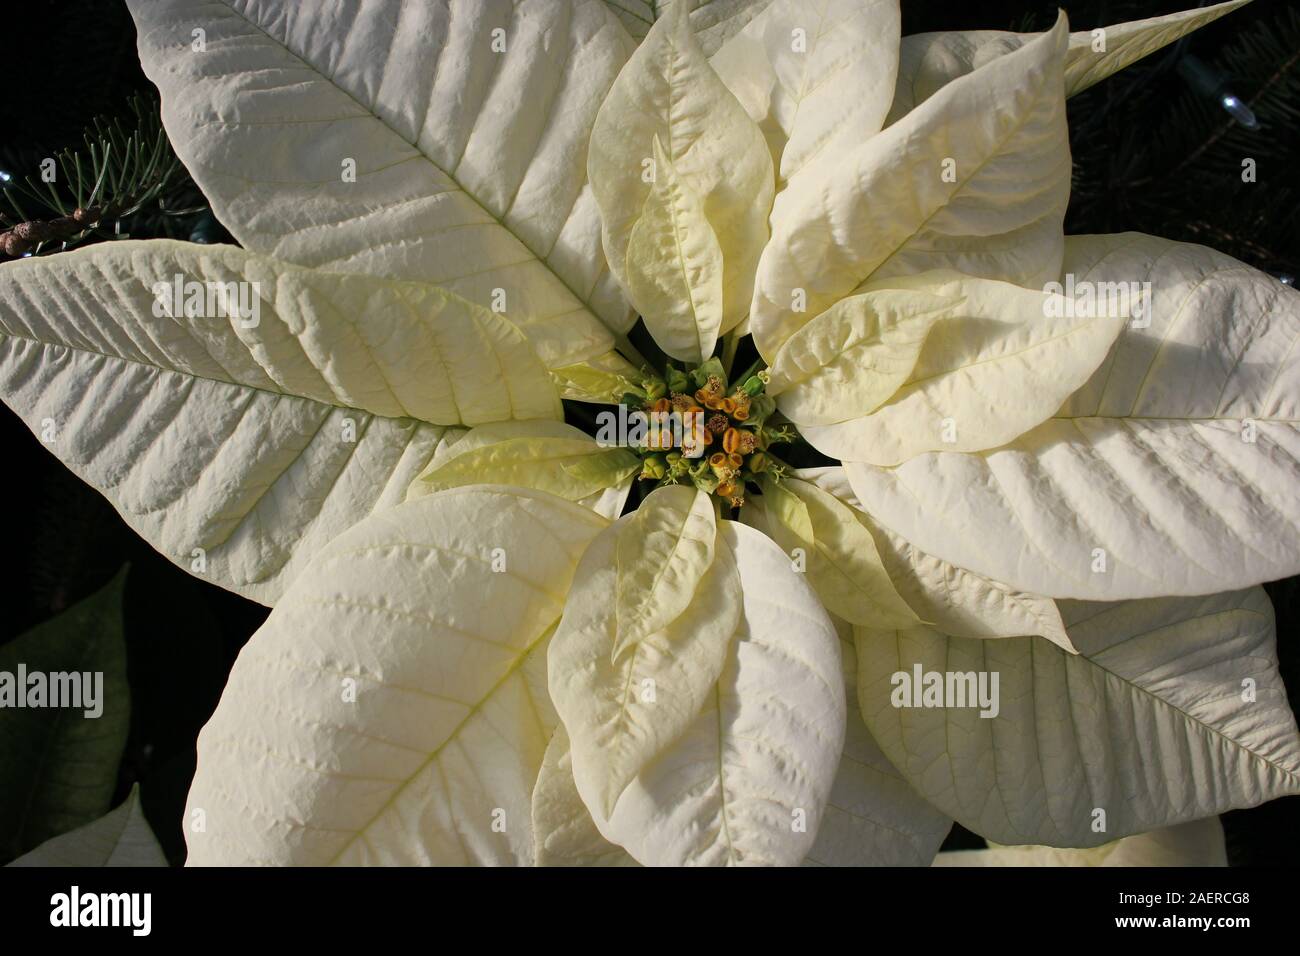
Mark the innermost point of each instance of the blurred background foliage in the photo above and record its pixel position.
(1151, 153)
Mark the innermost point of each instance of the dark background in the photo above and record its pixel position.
(1151, 154)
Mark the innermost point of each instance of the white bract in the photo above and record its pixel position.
(452, 213)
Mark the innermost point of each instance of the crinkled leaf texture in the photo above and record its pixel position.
(604, 379)
(393, 707)
(629, 675)
(928, 61)
(712, 21)
(839, 554)
(1188, 844)
(720, 172)
(873, 816)
(661, 554)
(853, 357)
(434, 141)
(815, 75)
(564, 831)
(974, 180)
(980, 363)
(545, 456)
(236, 451)
(675, 266)
(1171, 471)
(951, 599)
(121, 838)
(747, 782)
(1173, 710)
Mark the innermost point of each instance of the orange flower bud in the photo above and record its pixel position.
(726, 489)
(735, 461)
(662, 405)
(728, 405)
(731, 440)
(684, 405)
(717, 460)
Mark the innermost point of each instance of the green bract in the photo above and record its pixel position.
(451, 215)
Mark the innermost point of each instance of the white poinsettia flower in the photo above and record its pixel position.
(454, 212)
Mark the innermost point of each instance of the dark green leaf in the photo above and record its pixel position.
(60, 765)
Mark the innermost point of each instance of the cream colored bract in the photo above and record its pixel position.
(454, 211)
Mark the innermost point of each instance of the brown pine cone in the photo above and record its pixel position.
(36, 231)
(13, 245)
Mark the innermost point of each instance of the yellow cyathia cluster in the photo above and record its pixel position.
(728, 422)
